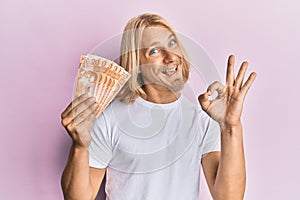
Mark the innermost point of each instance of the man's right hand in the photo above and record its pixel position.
(78, 118)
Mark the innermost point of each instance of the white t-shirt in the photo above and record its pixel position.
(152, 151)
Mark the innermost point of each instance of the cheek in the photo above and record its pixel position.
(151, 66)
(150, 72)
(148, 69)
(154, 61)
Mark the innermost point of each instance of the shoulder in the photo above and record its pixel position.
(114, 111)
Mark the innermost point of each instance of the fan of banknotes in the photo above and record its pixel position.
(100, 78)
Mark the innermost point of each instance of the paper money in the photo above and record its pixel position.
(100, 78)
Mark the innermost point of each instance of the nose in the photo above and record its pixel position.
(170, 57)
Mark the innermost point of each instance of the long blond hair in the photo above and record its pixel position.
(130, 58)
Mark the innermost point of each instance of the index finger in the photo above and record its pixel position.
(74, 103)
(230, 70)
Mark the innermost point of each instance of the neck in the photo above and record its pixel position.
(159, 94)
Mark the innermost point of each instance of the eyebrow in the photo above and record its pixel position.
(171, 35)
(153, 44)
(156, 43)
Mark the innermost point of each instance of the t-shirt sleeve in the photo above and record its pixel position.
(211, 140)
(100, 149)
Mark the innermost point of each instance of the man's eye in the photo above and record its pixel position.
(153, 51)
(172, 43)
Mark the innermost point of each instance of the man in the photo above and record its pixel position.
(151, 141)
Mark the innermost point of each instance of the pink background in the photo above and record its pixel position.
(41, 42)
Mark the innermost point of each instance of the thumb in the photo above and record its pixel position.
(204, 100)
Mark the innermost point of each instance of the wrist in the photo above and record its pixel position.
(79, 148)
(231, 128)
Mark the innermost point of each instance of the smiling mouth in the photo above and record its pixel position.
(169, 71)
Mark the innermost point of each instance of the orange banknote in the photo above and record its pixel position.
(100, 78)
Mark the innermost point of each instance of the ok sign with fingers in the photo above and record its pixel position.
(226, 108)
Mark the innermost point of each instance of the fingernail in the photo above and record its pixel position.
(96, 105)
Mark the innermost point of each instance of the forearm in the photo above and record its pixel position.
(231, 176)
(75, 178)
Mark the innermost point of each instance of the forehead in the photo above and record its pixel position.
(155, 35)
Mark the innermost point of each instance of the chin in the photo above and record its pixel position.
(177, 85)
